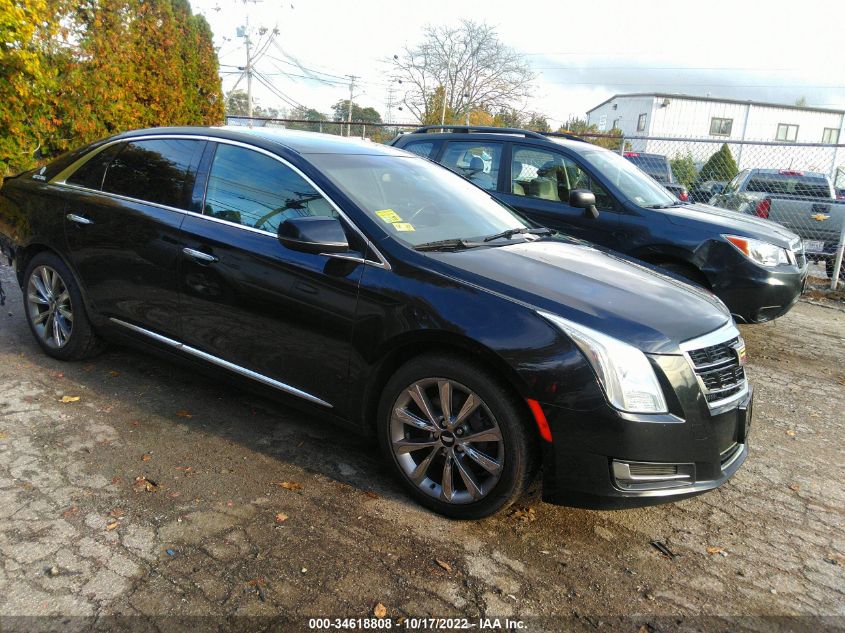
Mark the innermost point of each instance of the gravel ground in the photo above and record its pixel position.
(159, 493)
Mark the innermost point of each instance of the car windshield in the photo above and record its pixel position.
(417, 201)
(630, 180)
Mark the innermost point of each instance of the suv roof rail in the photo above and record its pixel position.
(478, 128)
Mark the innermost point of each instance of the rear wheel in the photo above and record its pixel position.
(456, 436)
(55, 311)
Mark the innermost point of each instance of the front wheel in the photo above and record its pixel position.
(55, 311)
(457, 438)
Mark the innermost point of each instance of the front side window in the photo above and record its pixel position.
(477, 162)
(252, 189)
(787, 132)
(416, 201)
(830, 135)
(721, 127)
(641, 122)
(154, 171)
(538, 173)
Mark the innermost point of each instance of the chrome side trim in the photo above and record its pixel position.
(78, 219)
(243, 371)
(60, 180)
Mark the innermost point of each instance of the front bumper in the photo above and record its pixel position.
(578, 466)
(755, 294)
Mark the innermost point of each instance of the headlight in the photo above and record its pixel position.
(759, 252)
(624, 372)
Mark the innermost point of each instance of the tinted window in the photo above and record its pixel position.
(813, 186)
(426, 149)
(254, 190)
(655, 166)
(538, 173)
(477, 162)
(90, 175)
(155, 171)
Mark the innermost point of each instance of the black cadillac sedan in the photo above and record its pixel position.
(395, 297)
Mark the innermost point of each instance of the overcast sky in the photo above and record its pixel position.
(583, 52)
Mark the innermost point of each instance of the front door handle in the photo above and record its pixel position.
(203, 257)
(78, 219)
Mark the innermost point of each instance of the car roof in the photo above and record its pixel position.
(576, 146)
(295, 140)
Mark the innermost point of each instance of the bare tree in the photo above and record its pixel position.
(469, 64)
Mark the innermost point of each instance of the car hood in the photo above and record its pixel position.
(599, 289)
(726, 221)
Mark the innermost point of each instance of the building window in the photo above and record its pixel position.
(830, 135)
(787, 132)
(721, 127)
(641, 122)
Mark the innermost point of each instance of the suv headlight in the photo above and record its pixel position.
(760, 252)
(624, 372)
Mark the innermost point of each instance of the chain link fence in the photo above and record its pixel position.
(798, 185)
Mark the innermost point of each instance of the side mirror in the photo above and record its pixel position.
(584, 199)
(315, 234)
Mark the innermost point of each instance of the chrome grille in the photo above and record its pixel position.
(717, 366)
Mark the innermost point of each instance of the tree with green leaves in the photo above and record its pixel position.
(236, 105)
(72, 72)
(683, 169)
(720, 166)
(590, 132)
(340, 112)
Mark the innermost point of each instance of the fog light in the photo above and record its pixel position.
(652, 475)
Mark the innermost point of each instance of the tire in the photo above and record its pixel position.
(691, 274)
(485, 475)
(828, 266)
(55, 310)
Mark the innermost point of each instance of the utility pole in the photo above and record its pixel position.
(248, 72)
(352, 79)
(391, 99)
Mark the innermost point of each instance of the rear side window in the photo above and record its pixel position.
(426, 149)
(155, 171)
(90, 175)
(790, 185)
(477, 162)
(250, 188)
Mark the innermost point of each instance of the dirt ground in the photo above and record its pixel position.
(162, 494)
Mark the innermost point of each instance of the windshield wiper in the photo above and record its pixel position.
(450, 244)
(520, 231)
(670, 205)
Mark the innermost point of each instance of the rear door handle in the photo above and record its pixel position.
(78, 219)
(203, 257)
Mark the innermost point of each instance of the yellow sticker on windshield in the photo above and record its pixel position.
(403, 226)
(389, 215)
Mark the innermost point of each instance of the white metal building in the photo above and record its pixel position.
(724, 121)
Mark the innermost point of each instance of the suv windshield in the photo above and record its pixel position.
(811, 185)
(417, 201)
(630, 180)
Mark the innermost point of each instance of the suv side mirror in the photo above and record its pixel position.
(315, 234)
(584, 199)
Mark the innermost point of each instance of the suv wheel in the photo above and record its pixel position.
(456, 437)
(55, 311)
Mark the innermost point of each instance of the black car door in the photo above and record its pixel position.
(284, 317)
(123, 214)
(539, 185)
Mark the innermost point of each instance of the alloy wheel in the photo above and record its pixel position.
(446, 440)
(49, 305)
